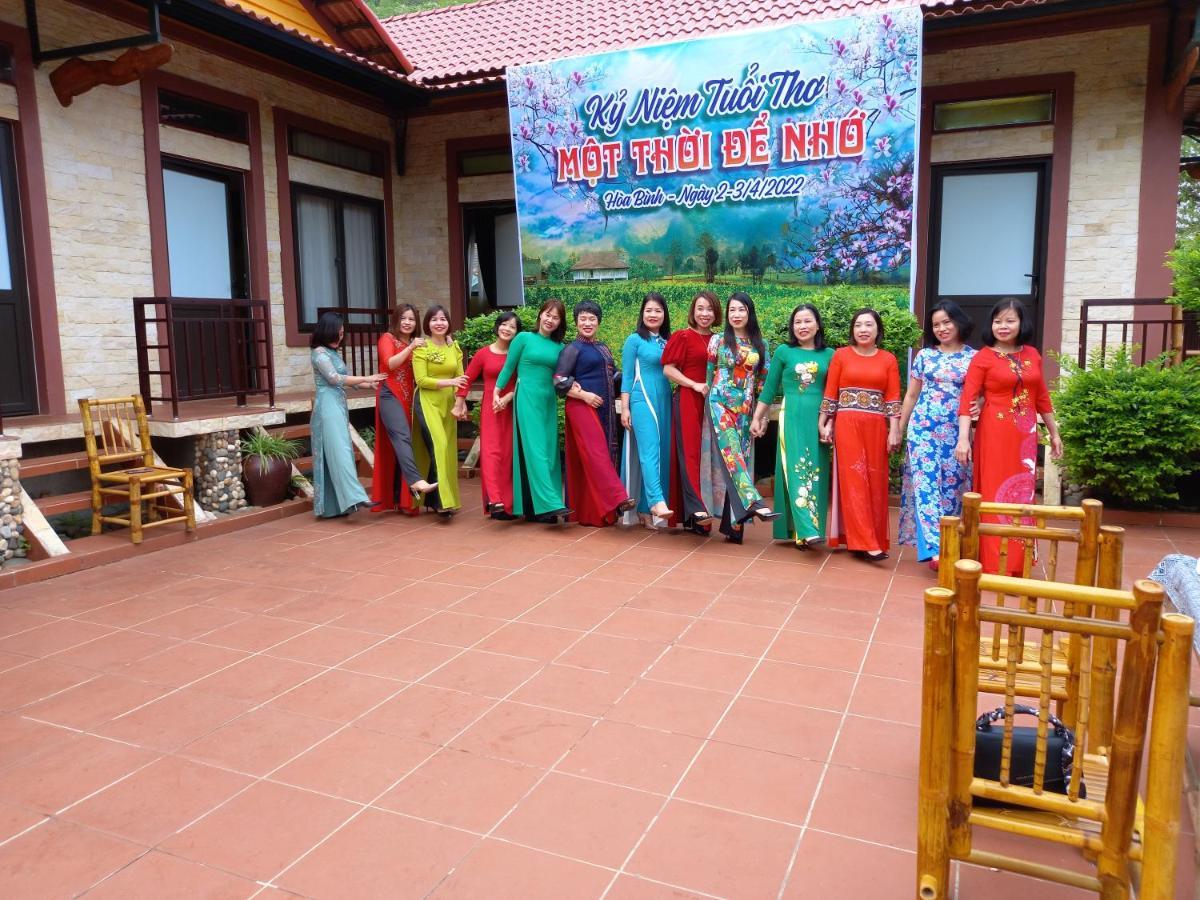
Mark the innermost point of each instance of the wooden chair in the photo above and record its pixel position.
(116, 434)
(1106, 825)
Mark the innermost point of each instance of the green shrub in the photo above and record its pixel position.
(1130, 432)
(1184, 261)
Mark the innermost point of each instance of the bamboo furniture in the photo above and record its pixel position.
(1106, 825)
(116, 434)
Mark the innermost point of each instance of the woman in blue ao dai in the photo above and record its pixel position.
(646, 412)
(934, 481)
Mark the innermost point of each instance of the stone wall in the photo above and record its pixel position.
(217, 472)
(12, 521)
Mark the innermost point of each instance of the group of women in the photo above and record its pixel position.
(680, 450)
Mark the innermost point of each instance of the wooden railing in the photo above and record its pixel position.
(364, 326)
(1155, 327)
(203, 349)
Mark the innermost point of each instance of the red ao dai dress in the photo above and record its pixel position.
(389, 490)
(495, 429)
(861, 393)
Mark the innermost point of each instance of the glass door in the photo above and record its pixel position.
(18, 376)
(988, 239)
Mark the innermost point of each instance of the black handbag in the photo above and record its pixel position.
(1060, 747)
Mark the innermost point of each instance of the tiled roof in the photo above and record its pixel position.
(356, 26)
(600, 259)
(472, 43)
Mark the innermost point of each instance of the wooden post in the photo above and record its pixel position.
(1089, 543)
(1104, 649)
(964, 692)
(950, 552)
(1168, 740)
(969, 548)
(933, 858)
(1129, 732)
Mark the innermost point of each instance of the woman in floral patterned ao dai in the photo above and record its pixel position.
(934, 481)
(802, 470)
(737, 362)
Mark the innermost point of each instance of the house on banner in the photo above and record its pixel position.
(605, 265)
(274, 158)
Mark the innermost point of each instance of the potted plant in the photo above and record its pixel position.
(267, 467)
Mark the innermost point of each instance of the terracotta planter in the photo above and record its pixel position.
(266, 480)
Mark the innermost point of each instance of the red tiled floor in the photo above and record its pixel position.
(467, 660)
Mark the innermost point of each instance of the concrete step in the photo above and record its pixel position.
(35, 466)
(64, 503)
(292, 432)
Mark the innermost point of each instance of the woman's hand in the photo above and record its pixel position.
(372, 380)
(459, 382)
(976, 408)
(827, 433)
(962, 452)
(595, 401)
(700, 388)
(626, 422)
(1056, 447)
(758, 427)
(893, 440)
(460, 409)
(417, 342)
(497, 401)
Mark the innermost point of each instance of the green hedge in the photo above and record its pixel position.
(1130, 433)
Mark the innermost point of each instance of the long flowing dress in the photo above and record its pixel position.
(646, 470)
(802, 466)
(495, 430)
(732, 387)
(336, 488)
(434, 417)
(537, 471)
(1006, 441)
(697, 479)
(934, 481)
(862, 393)
(393, 432)
(594, 489)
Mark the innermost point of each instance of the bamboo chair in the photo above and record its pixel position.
(1106, 825)
(116, 434)
(1098, 561)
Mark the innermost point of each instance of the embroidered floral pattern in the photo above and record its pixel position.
(806, 373)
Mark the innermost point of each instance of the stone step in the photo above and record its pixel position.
(64, 503)
(35, 466)
(291, 432)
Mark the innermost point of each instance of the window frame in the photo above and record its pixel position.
(1041, 123)
(297, 189)
(236, 193)
(378, 163)
(199, 129)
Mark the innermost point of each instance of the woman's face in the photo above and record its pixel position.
(1007, 326)
(943, 327)
(341, 336)
(548, 321)
(865, 331)
(652, 315)
(737, 314)
(703, 313)
(586, 324)
(408, 322)
(439, 324)
(507, 330)
(804, 326)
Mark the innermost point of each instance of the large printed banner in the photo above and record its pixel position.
(791, 148)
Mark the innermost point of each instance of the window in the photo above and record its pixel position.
(339, 252)
(206, 231)
(198, 115)
(6, 64)
(997, 112)
(333, 152)
(485, 162)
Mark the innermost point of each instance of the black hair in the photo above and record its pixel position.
(818, 338)
(587, 306)
(398, 314)
(326, 333)
(960, 319)
(509, 316)
(664, 330)
(433, 311)
(752, 330)
(1024, 336)
(557, 305)
(713, 303)
(867, 311)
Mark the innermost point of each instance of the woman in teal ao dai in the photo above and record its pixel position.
(737, 362)
(336, 488)
(934, 481)
(646, 412)
(537, 464)
(802, 463)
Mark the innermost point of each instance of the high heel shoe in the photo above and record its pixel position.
(661, 511)
(625, 506)
(877, 556)
(765, 514)
(423, 487)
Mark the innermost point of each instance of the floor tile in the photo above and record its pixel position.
(462, 790)
(605, 653)
(757, 782)
(58, 859)
(379, 854)
(644, 624)
(37, 680)
(68, 772)
(14, 819)
(402, 659)
(87, 705)
(21, 738)
(156, 801)
(803, 685)
(550, 819)
(113, 652)
(861, 741)
(887, 698)
(426, 713)
(259, 741)
(891, 661)
(702, 668)
(523, 734)
(257, 679)
(261, 830)
(525, 873)
(632, 756)
(631, 887)
(166, 877)
(485, 674)
(182, 664)
(191, 622)
(453, 628)
(325, 645)
(728, 637)
(743, 856)
(355, 764)
(780, 728)
(869, 806)
(750, 611)
(177, 719)
(818, 650)
(255, 633)
(829, 865)
(584, 691)
(337, 695)
(53, 636)
(530, 641)
(670, 707)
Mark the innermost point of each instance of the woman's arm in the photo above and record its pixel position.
(972, 387)
(891, 404)
(330, 375)
(628, 367)
(916, 376)
(833, 382)
(510, 363)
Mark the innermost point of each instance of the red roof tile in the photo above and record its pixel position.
(469, 44)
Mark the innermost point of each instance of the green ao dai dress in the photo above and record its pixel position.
(537, 463)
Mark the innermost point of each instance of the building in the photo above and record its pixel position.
(606, 265)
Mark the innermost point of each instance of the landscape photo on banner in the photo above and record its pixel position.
(789, 149)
